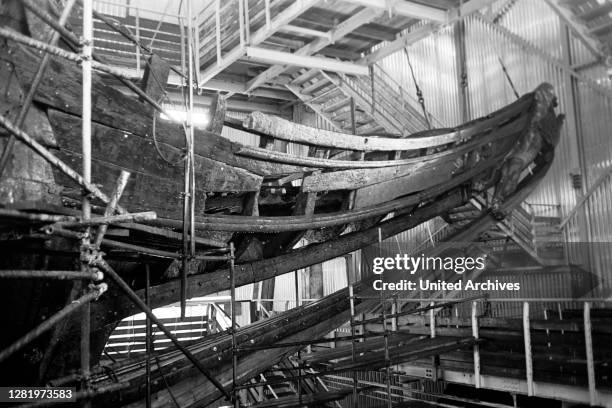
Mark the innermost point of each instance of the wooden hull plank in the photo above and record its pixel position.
(294, 132)
(135, 153)
(205, 284)
(142, 193)
(421, 179)
(125, 112)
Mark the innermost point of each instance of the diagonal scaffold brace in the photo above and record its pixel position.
(51, 321)
(110, 272)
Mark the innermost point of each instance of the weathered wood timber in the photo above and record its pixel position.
(124, 112)
(293, 132)
(137, 154)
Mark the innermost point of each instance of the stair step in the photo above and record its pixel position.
(305, 76)
(547, 219)
(340, 103)
(312, 88)
(333, 92)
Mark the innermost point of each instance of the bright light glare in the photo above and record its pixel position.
(180, 116)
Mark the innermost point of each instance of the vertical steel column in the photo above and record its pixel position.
(267, 10)
(233, 311)
(588, 342)
(432, 321)
(137, 18)
(247, 22)
(528, 356)
(353, 354)
(188, 201)
(218, 30)
(353, 119)
(475, 333)
(394, 314)
(384, 318)
(241, 22)
(193, 64)
(87, 52)
(372, 88)
(148, 340)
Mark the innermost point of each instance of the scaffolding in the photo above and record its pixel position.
(81, 227)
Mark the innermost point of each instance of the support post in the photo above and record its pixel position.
(233, 311)
(528, 355)
(432, 320)
(148, 338)
(137, 12)
(87, 52)
(475, 334)
(218, 31)
(588, 342)
(353, 354)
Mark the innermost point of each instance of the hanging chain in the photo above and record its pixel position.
(419, 92)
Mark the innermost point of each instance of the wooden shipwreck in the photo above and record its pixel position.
(348, 193)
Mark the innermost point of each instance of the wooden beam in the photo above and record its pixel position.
(306, 31)
(223, 84)
(400, 43)
(279, 57)
(232, 104)
(580, 30)
(405, 8)
(342, 29)
(281, 20)
(452, 16)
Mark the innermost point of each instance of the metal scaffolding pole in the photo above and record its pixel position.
(189, 170)
(148, 342)
(233, 312)
(86, 65)
(383, 317)
(352, 308)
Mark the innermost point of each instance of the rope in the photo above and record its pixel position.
(419, 92)
(153, 131)
(508, 78)
(159, 152)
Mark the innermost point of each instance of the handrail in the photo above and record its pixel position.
(586, 197)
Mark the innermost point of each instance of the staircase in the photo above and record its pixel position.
(536, 234)
(380, 104)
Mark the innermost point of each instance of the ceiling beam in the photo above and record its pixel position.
(305, 31)
(452, 16)
(328, 64)
(281, 20)
(363, 17)
(577, 28)
(223, 84)
(235, 105)
(405, 8)
(400, 43)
